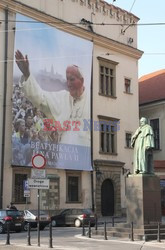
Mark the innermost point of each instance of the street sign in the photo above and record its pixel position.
(38, 183)
(26, 193)
(25, 185)
(26, 188)
(38, 173)
(38, 161)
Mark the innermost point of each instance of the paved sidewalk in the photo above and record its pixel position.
(151, 245)
(22, 247)
(79, 242)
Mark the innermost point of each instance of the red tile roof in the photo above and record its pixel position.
(152, 87)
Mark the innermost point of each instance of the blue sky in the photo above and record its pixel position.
(151, 39)
(47, 46)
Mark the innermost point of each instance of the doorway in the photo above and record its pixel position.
(107, 198)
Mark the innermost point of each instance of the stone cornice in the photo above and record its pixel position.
(103, 117)
(108, 163)
(97, 39)
(107, 9)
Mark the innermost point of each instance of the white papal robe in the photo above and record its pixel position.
(61, 106)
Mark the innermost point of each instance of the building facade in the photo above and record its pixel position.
(113, 103)
(151, 100)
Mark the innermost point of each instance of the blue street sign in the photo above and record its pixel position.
(25, 185)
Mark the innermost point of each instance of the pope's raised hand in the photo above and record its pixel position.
(23, 63)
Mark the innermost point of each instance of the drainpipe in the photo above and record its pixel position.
(92, 183)
(4, 108)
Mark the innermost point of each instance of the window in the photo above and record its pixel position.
(128, 140)
(89, 2)
(162, 188)
(73, 187)
(107, 74)
(127, 83)
(111, 12)
(155, 126)
(108, 136)
(19, 188)
(118, 15)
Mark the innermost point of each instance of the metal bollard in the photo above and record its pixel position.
(158, 236)
(96, 220)
(83, 228)
(132, 233)
(50, 236)
(8, 233)
(28, 235)
(38, 232)
(89, 229)
(113, 221)
(105, 230)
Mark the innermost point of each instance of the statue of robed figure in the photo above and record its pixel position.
(143, 143)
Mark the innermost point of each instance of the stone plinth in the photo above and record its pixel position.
(143, 199)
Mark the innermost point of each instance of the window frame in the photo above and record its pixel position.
(21, 192)
(126, 145)
(105, 148)
(73, 174)
(155, 134)
(127, 86)
(107, 77)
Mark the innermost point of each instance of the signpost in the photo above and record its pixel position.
(26, 193)
(38, 173)
(26, 188)
(38, 183)
(38, 163)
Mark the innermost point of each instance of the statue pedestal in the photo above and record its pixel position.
(143, 200)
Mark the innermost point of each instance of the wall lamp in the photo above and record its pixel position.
(98, 173)
(87, 23)
(126, 171)
(130, 40)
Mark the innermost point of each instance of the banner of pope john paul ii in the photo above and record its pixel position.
(51, 96)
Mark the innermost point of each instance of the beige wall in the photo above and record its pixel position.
(124, 107)
(86, 200)
(74, 10)
(7, 182)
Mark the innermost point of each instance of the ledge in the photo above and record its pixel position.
(97, 39)
(108, 163)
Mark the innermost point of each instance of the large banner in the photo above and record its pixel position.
(51, 96)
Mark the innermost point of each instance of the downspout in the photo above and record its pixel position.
(92, 183)
(4, 108)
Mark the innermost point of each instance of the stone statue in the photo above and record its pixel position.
(143, 143)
